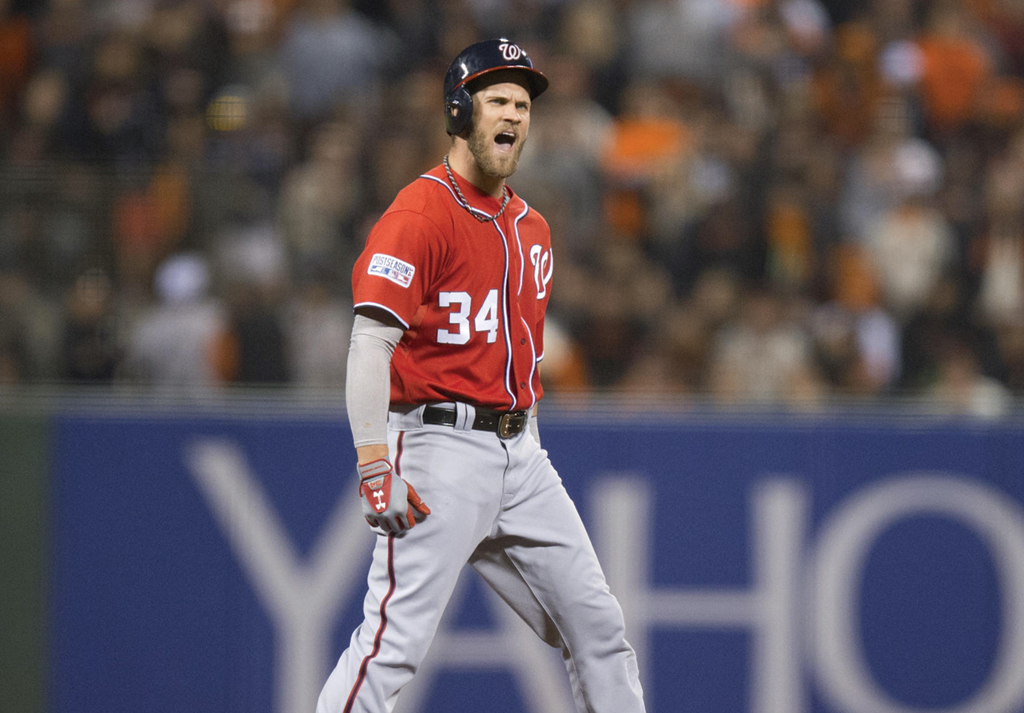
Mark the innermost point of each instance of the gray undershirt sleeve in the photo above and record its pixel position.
(368, 379)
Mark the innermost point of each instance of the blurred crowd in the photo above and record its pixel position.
(780, 201)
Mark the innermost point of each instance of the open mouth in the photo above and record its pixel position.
(505, 140)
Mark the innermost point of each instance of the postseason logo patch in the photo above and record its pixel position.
(391, 268)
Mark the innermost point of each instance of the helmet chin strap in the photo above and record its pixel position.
(478, 214)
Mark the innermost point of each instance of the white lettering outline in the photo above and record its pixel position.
(302, 598)
(843, 546)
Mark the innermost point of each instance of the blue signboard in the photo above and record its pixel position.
(217, 563)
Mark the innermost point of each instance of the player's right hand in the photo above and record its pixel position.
(388, 501)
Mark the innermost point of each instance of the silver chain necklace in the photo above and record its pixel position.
(482, 217)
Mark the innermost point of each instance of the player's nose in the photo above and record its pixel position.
(511, 114)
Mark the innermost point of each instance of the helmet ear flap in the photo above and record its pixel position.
(458, 110)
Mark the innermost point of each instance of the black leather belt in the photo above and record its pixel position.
(505, 423)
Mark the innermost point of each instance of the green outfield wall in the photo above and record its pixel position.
(23, 525)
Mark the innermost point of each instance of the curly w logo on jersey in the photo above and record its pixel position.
(391, 268)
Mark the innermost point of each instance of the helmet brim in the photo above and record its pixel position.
(536, 82)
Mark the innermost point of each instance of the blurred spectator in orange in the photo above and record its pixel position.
(955, 67)
(16, 55)
(846, 87)
(701, 208)
(149, 223)
(564, 367)
(1000, 110)
(647, 139)
(857, 342)
(1003, 21)
(790, 259)
(648, 135)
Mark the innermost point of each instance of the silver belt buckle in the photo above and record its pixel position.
(511, 424)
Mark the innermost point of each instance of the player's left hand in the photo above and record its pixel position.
(388, 501)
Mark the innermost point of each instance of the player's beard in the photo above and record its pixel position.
(481, 146)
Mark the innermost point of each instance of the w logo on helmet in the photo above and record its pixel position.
(474, 62)
(510, 51)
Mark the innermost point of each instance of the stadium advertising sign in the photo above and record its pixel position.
(217, 564)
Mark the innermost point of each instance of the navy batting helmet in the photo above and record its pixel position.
(476, 61)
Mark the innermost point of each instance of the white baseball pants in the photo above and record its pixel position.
(500, 506)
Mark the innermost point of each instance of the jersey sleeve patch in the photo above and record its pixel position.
(391, 268)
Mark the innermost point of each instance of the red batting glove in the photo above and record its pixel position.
(388, 501)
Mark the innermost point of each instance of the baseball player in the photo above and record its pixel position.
(450, 294)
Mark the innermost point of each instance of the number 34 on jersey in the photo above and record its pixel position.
(485, 320)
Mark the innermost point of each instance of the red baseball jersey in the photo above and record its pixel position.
(471, 295)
